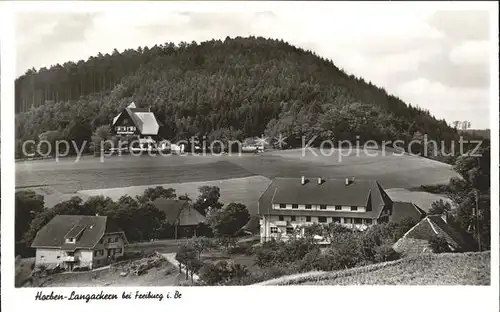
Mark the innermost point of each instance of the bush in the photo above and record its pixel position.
(438, 244)
(385, 252)
(345, 252)
(226, 242)
(242, 248)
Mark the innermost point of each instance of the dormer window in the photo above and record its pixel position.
(74, 234)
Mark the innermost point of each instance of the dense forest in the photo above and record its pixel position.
(235, 88)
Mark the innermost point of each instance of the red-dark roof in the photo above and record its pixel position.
(87, 229)
(179, 211)
(402, 210)
(366, 193)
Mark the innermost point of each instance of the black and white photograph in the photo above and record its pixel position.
(287, 144)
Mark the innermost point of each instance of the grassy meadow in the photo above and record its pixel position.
(429, 269)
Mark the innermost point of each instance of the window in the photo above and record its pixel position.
(118, 250)
(98, 253)
(274, 230)
(336, 219)
(41, 257)
(295, 206)
(308, 219)
(322, 207)
(358, 220)
(292, 218)
(354, 208)
(58, 257)
(337, 207)
(289, 230)
(322, 219)
(100, 241)
(282, 205)
(308, 206)
(368, 221)
(110, 240)
(281, 218)
(98, 262)
(347, 220)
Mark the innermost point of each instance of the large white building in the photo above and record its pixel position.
(289, 203)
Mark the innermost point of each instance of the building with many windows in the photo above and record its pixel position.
(290, 203)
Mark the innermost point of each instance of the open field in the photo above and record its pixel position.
(423, 200)
(61, 180)
(431, 269)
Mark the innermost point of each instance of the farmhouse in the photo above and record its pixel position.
(72, 241)
(133, 121)
(416, 240)
(289, 203)
(181, 215)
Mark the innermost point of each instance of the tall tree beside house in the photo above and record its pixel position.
(28, 205)
(229, 220)
(208, 198)
(139, 221)
(150, 194)
(471, 190)
(200, 244)
(440, 207)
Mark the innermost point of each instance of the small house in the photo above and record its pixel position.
(72, 241)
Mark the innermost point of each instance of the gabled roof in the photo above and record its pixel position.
(414, 240)
(329, 192)
(87, 230)
(143, 119)
(179, 211)
(401, 210)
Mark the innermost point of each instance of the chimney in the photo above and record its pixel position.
(320, 181)
(346, 181)
(303, 180)
(149, 109)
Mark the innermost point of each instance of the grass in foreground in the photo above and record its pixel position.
(430, 269)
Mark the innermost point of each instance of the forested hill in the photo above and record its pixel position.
(233, 88)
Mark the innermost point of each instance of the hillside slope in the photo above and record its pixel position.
(222, 89)
(431, 269)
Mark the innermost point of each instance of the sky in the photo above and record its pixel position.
(432, 58)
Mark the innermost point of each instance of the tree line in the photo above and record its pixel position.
(138, 217)
(232, 88)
